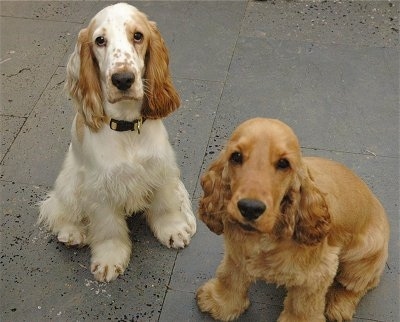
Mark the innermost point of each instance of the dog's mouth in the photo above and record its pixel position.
(246, 227)
(125, 97)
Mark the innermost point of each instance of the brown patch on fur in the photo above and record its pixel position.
(86, 90)
(217, 192)
(161, 97)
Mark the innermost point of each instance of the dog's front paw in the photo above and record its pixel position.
(221, 306)
(109, 260)
(174, 231)
(71, 236)
(340, 304)
(176, 234)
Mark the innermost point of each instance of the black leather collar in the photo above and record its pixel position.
(122, 126)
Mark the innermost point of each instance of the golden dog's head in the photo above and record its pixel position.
(260, 184)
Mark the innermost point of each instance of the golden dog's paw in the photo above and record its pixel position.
(289, 317)
(225, 306)
(341, 304)
(340, 310)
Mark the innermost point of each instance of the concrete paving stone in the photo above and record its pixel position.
(356, 23)
(48, 281)
(37, 153)
(326, 94)
(195, 267)
(190, 125)
(181, 306)
(28, 62)
(61, 11)
(200, 35)
(10, 128)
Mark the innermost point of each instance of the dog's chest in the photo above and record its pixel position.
(285, 264)
(126, 171)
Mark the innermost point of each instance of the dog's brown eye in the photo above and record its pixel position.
(100, 41)
(282, 164)
(138, 37)
(236, 158)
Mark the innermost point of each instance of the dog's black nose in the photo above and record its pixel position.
(123, 81)
(251, 209)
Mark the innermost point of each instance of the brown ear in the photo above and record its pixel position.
(305, 216)
(216, 192)
(161, 97)
(83, 82)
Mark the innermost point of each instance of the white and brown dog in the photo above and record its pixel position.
(120, 160)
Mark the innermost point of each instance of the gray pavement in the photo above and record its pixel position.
(330, 69)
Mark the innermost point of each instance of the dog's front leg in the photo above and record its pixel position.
(226, 296)
(170, 215)
(110, 244)
(303, 304)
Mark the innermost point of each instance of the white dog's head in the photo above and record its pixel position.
(120, 56)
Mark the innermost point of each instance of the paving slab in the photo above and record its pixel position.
(44, 280)
(10, 128)
(200, 35)
(39, 150)
(190, 125)
(60, 11)
(29, 62)
(315, 88)
(355, 23)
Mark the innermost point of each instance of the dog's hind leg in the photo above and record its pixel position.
(61, 211)
(360, 269)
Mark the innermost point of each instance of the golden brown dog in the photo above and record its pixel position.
(309, 224)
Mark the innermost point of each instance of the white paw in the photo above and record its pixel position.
(72, 236)
(175, 232)
(106, 272)
(109, 260)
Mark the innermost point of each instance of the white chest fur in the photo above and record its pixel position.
(124, 168)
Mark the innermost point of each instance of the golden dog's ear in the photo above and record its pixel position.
(216, 192)
(161, 97)
(305, 216)
(312, 219)
(83, 82)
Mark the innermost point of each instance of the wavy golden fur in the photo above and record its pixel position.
(309, 224)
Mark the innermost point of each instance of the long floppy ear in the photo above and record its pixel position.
(161, 97)
(83, 82)
(215, 184)
(305, 215)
